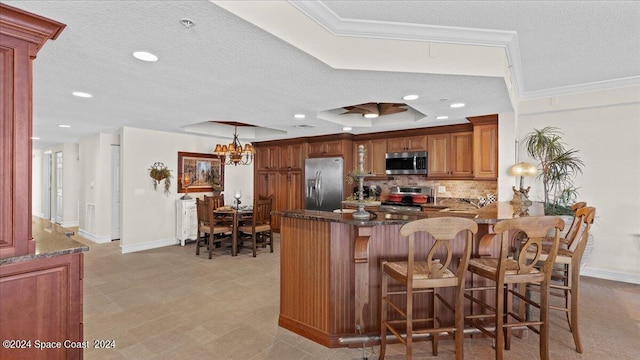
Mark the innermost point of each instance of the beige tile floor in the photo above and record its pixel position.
(167, 303)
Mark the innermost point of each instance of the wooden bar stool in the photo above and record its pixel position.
(505, 272)
(426, 276)
(568, 280)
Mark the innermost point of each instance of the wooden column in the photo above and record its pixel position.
(21, 36)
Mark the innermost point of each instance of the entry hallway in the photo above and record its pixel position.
(168, 303)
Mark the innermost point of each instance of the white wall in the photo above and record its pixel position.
(95, 187)
(149, 216)
(605, 127)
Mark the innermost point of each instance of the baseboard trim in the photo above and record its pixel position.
(68, 224)
(96, 239)
(611, 275)
(129, 248)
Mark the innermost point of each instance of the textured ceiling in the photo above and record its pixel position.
(227, 69)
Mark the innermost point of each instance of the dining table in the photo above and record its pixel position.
(237, 217)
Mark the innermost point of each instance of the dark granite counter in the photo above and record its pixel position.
(49, 245)
(487, 215)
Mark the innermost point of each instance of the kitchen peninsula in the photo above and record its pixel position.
(330, 266)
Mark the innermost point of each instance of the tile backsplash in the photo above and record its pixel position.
(453, 188)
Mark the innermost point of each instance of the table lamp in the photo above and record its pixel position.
(237, 195)
(186, 181)
(522, 169)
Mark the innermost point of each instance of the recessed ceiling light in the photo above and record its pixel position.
(81, 94)
(187, 22)
(347, 128)
(145, 56)
(457, 105)
(304, 126)
(443, 117)
(410, 97)
(35, 138)
(299, 116)
(370, 116)
(64, 126)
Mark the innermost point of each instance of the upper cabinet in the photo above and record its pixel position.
(327, 148)
(485, 146)
(409, 143)
(450, 155)
(292, 156)
(267, 157)
(374, 155)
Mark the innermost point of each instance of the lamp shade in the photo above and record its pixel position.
(523, 169)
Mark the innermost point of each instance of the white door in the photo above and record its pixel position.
(59, 187)
(115, 192)
(46, 206)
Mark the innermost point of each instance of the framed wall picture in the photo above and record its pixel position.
(200, 172)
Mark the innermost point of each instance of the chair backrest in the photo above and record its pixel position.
(218, 200)
(534, 229)
(577, 222)
(262, 211)
(202, 208)
(578, 242)
(442, 230)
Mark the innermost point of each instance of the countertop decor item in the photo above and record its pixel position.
(360, 202)
(522, 169)
(558, 167)
(158, 172)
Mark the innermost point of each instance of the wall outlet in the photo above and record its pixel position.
(441, 189)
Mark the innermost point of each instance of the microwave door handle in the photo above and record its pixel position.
(415, 164)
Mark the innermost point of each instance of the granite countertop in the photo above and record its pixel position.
(49, 245)
(489, 214)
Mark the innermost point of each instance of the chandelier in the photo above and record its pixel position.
(234, 153)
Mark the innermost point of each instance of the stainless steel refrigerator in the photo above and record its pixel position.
(323, 183)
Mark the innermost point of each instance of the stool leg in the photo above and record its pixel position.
(459, 320)
(383, 316)
(575, 274)
(499, 332)
(544, 318)
(409, 344)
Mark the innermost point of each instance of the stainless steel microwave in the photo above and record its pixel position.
(406, 163)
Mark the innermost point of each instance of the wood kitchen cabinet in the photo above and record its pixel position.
(450, 155)
(374, 155)
(292, 156)
(409, 143)
(290, 194)
(267, 158)
(485, 147)
(327, 148)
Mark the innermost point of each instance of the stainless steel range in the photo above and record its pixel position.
(407, 199)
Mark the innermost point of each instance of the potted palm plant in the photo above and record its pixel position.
(557, 166)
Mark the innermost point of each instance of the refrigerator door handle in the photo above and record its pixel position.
(319, 192)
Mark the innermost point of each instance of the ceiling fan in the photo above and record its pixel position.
(373, 110)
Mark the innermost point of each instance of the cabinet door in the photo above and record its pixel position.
(416, 143)
(265, 183)
(395, 145)
(42, 299)
(267, 157)
(376, 159)
(438, 155)
(292, 156)
(327, 148)
(485, 151)
(461, 160)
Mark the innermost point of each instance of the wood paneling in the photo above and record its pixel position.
(330, 277)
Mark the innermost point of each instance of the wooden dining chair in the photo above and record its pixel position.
(259, 225)
(426, 273)
(568, 260)
(216, 229)
(508, 275)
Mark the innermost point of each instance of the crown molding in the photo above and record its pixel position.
(331, 22)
